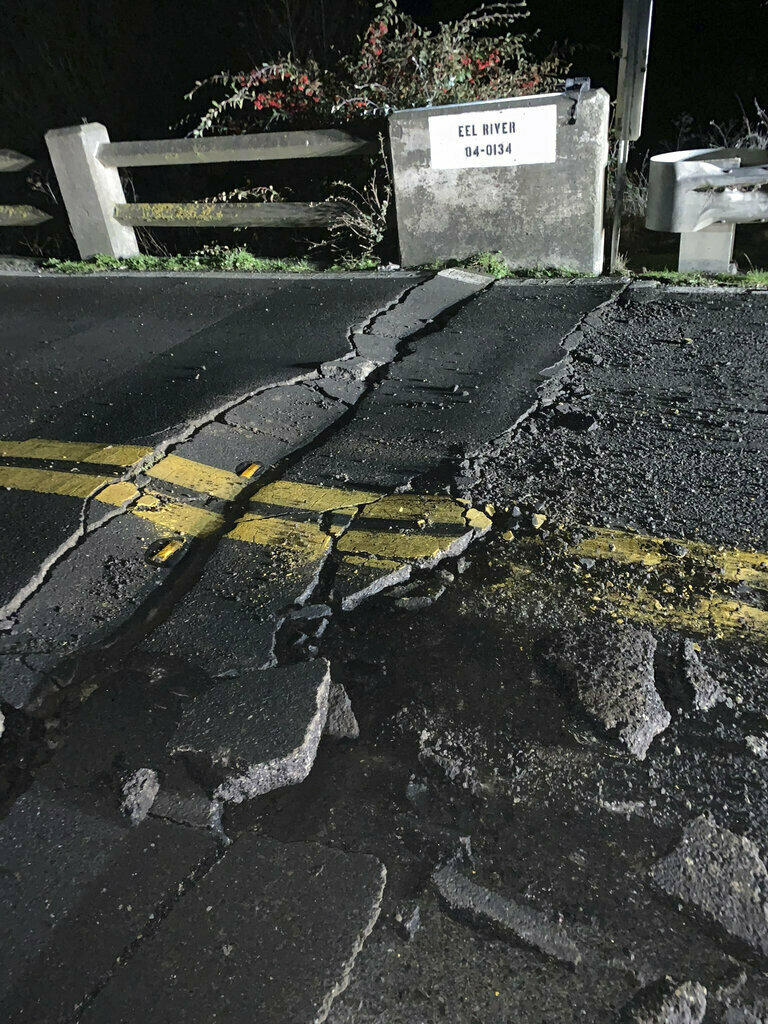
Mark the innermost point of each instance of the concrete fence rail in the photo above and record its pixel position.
(18, 216)
(86, 165)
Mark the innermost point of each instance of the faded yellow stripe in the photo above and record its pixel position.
(117, 494)
(393, 545)
(309, 539)
(410, 508)
(173, 517)
(196, 476)
(121, 455)
(51, 481)
(704, 615)
(310, 497)
(372, 563)
(622, 546)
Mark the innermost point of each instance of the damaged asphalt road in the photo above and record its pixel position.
(418, 679)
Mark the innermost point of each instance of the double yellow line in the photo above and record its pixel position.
(392, 530)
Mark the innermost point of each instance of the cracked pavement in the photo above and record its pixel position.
(387, 648)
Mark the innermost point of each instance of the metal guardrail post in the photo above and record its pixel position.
(90, 191)
(701, 194)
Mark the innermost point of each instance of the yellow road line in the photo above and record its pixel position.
(419, 510)
(121, 455)
(704, 615)
(310, 497)
(403, 546)
(50, 481)
(173, 517)
(303, 538)
(624, 546)
(196, 476)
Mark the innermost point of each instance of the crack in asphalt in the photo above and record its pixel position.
(191, 567)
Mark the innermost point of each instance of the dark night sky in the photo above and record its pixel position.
(128, 64)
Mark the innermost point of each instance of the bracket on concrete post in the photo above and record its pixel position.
(90, 191)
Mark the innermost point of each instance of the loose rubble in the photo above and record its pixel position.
(706, 689)
(408, 921)
(610, 670)
(258, 732)
(666, 1002)
(465, 898)
(722, 875)
(139, 794)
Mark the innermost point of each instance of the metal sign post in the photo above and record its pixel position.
(633, 69)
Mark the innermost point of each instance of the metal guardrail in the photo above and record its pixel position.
(86, 165)
(18, 216)
(702, 194)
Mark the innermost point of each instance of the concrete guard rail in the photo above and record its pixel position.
(86, 165)
(702, 194)
(18, 216)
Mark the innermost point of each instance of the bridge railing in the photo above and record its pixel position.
(86, 165)
(19, 215)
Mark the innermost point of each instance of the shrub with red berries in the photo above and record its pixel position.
(399, 64)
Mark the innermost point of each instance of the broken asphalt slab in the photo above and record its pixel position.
(295, 551)
(610, 669)
(159, 387)
(460, 384)
(270, 934)
(77, 888)
(257, 732)
(723, 876)
(465, 898)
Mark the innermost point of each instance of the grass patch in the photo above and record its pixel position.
(211, 258)
(352, 263)
(749, 279)
(223, 258)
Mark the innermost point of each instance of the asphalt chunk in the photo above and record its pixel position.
(258, 732)
(76, 889)
(707, 691)
(611, 673)
(465, 899)
(722, 875)
(666, 1002)
(341, 723)
(269, 935)
(139, 793)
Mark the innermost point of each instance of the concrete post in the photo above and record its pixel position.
(90, 191)
(709, 250)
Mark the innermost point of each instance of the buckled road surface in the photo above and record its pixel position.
(383, 648)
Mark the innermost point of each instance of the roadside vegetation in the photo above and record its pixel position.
(352, 73)
(222, 258)
(396, 64)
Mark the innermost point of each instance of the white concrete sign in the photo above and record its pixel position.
(494, 138)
